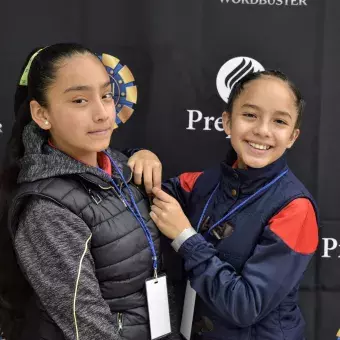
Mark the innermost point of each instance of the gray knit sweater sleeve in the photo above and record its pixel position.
(52, 246)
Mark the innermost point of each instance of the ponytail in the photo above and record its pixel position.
(37, 74)
(14, 289)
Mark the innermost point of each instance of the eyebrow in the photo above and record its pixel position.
(85, 87)
(258, 108)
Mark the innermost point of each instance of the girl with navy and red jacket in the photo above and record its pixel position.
(247, 228)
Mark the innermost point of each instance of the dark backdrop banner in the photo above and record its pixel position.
(176, 50)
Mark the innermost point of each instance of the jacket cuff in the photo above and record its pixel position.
(182, 237)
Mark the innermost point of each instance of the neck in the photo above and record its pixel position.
(241, 164)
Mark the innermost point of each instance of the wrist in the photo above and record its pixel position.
(182, 237)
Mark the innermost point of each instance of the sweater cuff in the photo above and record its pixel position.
(182, 237)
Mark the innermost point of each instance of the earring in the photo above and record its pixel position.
(46, 122)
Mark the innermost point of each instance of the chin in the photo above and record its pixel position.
(98, 147)
(104, 146)
(256, 163)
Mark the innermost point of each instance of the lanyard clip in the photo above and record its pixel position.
(214, 232)
(155, 276)
(222, 231)
(205, 225)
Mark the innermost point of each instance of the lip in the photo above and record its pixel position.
(257, 151)
(99, 132)
(260, 143)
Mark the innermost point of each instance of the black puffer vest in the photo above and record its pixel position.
(120, 250)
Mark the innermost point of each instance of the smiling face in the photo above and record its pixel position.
(80, 111)
(262, 123)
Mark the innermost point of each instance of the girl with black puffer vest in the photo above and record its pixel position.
(80, 243)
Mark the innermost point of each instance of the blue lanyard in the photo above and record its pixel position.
(135, 211)
(232, 211)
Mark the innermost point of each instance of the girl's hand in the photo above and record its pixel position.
(168, 214)
(145, 164)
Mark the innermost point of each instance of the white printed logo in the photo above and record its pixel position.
(232, 71)
(266, 2)
(330, 245)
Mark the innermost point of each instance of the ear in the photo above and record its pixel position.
(40, 115)
(226, 119)
(293, 138)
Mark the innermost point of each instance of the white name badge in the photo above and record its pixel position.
(188, 312)
(158, 305)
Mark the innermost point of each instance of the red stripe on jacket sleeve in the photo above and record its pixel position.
(188, 180)
(296, 225)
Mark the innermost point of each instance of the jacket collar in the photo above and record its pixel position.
(249, 180)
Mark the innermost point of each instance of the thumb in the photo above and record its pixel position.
(131, 163)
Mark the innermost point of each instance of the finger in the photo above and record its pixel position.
(157, 176)
(158, 211)
(158, 203)
(131, 163)
(147, 177)
(162, 195)
(138, 173)
(154, 217)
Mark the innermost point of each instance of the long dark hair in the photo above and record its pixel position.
(14, 290)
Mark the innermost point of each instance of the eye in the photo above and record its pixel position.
(79, 101)
(108, 95)
(249, 115)
(281, 122)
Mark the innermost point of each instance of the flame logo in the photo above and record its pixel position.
(232, 71)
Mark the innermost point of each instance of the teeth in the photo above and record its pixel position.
(259, 146)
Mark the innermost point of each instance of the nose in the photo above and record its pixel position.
(262, 128)
(102, 111)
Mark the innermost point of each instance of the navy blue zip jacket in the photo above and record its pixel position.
(247, 271)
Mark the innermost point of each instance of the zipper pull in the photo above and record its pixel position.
(120, 322)
(119, 196)
(120, 186)
(95, 199)
(205, 225)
